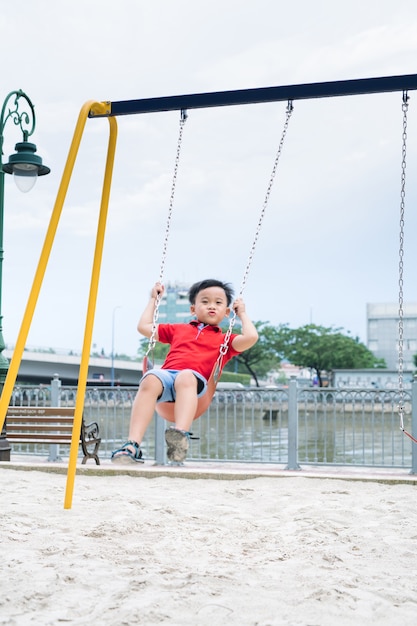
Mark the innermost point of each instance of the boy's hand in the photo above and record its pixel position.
(239, 307)
(157, 289)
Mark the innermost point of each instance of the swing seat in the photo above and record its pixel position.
(167, 409)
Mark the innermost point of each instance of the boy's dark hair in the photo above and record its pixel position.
(210, 282)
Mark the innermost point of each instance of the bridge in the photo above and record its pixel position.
(40, 367)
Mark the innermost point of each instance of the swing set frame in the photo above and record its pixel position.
(111, 110)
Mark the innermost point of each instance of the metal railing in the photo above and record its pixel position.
(292, 426)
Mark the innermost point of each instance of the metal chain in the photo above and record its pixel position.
(289, 111)
(401, 267)
(152, 340)
(290, 108)
(224, 346)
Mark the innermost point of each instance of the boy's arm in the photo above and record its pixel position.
(145, 323)
(249, 334)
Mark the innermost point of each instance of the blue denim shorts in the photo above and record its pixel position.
(167, 378)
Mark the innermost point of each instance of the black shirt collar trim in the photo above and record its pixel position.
(212, 326)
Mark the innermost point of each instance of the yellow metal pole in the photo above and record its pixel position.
(43, 261)
(88, 334)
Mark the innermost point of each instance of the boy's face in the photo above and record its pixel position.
(210, 306)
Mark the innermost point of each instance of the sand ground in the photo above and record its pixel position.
(194, 547)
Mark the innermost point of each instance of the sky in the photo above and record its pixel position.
(329, 243)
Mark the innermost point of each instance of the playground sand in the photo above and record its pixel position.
(167, 550)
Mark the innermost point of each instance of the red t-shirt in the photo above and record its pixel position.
(194, 346)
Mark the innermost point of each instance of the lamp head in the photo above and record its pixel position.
(25, 165)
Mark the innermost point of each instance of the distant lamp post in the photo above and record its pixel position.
(112, 345)
(25, 166)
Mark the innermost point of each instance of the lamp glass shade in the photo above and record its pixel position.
(25, 179)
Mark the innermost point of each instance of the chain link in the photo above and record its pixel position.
(152, 340)
(401, 266)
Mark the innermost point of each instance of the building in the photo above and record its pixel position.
(383, 333)
(175, 306)
(370, 379)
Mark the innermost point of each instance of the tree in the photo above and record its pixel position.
(158, 353)
(323, 349)
(261, 358)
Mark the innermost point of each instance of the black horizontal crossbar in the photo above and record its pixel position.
(358, 86)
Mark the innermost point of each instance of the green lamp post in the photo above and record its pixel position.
(26, 166)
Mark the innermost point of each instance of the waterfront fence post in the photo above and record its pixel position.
(55, 401)
(414, 425)
(292, 426)
(159, 440)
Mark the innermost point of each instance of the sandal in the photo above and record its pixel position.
(125, 456)
(178, 443)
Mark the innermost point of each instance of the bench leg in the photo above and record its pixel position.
(91, 455)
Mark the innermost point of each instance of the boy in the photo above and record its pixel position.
(183, 377)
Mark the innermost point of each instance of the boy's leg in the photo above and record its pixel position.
(143, 407)
(142, 413)
(185, 408)
(185, 399)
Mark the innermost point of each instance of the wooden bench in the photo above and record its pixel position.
(53, 425)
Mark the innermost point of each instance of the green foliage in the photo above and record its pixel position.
(230, 377)
(158, 354)
(323, 349)
(126, 357)
(261, 358)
